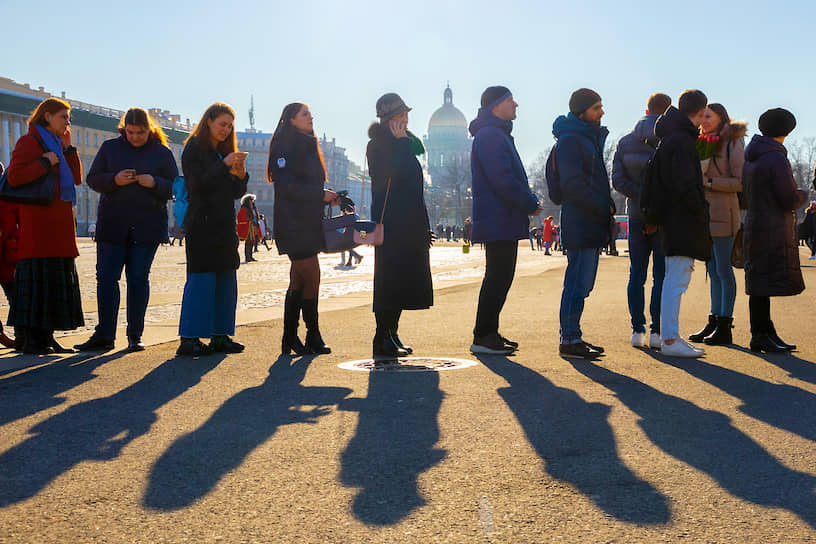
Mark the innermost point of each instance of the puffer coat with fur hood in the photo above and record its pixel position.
(725, 173)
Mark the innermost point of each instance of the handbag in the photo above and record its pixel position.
(40, 192)
(338, 231)
(370, 233)
(737, 255)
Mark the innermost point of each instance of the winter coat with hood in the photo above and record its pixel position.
(402, 267)
(725, 172)
(209, 225)
(682, 212)
(45, 231)
(132, 213)
(299, 177)
(587, 207)
(770, 243)
(502, 199)
(629, 163)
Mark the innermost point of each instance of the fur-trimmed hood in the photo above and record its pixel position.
(734, 130)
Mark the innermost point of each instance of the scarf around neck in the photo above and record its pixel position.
(66, 177)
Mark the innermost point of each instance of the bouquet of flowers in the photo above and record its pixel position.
(706, 148)
(707, 145)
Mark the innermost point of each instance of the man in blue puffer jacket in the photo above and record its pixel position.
(586, 210)
(502, 202)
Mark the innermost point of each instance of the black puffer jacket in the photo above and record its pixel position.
(212, 242)
(402, 268)
(769, 234)
(683, 213)
(299, 177)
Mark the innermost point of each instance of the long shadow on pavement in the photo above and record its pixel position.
(94, 430)
(707, 441)
(394, 442)
(576, 442)
(39, 388)
(796, 367)
(781, 405)
(194, 464)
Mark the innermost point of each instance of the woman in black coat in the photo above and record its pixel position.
(134, 174)
(215, 176)
(402, 269)
(769, 235)
(296, 168)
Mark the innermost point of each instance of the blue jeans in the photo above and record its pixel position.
(721, 274)
(110, 260)
(208, 305)
(641, 246)
(579, 279)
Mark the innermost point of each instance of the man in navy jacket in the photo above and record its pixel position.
(586, 210)
(502, 204)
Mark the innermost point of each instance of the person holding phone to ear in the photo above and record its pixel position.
(215, 176)
(134, 175)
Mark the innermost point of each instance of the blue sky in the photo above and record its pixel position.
(339, 57)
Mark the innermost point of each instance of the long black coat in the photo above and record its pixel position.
(769, 233)
(402, 268)
(683, 214)
(212, 241)
(299, 177)
(132, 211)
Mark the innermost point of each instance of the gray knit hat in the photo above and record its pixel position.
(390, 105)
(582, 99)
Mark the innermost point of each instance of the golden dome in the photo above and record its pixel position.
(448, 115)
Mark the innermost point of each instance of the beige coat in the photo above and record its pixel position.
(725, 173)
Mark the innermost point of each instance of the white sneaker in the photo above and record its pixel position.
(680, 348)
(638, 339)
(655, 341)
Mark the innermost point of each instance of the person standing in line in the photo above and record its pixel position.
(628, 172)
(297, 170)
(680, 208)
(9, 239)
(134, 174)
(502, 205)
(722, 181)
(586, 211)
(248, 226)
(46, 284)
(809, 228)
(769, 235)
(402, 264)
(215, 176)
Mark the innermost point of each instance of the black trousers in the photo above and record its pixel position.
(500, 269)
(759, 309)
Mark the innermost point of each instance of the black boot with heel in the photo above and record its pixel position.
(291, 316)
(314, 341)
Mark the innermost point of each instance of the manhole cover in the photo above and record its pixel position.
(407, 364)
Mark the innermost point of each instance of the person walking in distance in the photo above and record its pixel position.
(586, 211)
(722, 180)
(677, 204)
(502, 204)
(628, 171)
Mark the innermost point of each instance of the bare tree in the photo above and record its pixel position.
(802, 156)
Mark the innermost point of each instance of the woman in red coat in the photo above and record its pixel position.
(9, 231)
(46, 284)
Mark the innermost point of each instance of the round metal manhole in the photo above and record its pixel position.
(407, 364)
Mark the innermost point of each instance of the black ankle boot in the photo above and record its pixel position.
(722, 333)
(705, 331)
(314, 341)
(393, 331)
(778, 341)
(291, 316)
(56, 346)
(36, 342)
(384, 346)
(763, 342)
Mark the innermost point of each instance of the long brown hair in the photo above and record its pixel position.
(725, 120)
(49, 105)
(285, 131)
(201, 132)
(140, 118)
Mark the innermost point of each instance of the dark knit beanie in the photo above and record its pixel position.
(582, 99)
(777, 122)
(493, 96)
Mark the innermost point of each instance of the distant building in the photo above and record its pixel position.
(90, 126)
(448, 146)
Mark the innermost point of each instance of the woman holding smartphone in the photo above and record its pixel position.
(46, 284)
(296, 168)
(134, 174)
(215, 176)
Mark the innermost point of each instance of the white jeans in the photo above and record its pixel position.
(675, 283)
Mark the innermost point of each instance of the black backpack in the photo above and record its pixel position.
(553, 180)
